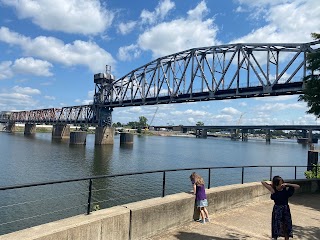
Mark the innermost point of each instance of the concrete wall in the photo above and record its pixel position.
(145, 218)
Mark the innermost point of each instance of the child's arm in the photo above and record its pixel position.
(194, 189)
(267, 186)
(295, 186)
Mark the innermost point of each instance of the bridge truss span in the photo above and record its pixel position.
(68, 115)
(214, 73)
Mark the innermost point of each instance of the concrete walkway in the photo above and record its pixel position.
(253, 222)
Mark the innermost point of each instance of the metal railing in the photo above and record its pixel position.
(117, 189)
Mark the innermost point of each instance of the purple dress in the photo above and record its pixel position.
(201, 197)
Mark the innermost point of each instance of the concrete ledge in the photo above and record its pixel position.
(155, 215)
(149, 217)
(112, 223)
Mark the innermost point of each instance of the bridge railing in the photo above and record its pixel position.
(27, 205)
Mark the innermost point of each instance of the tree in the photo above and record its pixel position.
(143, 121)
(312, 81)
(199, 123)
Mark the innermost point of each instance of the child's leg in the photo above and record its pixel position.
(206, 212)
(202, 213)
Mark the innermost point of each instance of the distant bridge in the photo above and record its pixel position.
(200, 74)
(252, 127)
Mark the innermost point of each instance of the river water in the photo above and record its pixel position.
(39, 158)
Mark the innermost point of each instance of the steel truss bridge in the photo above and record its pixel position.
(199, 74)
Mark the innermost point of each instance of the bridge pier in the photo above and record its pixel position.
(11, 127)
(310, 136)
(126, 138)
(244, 135)
(268, 135)
(61, 131)
(234, 134)
(78, 138)
(201, 133)
(104, 135)
(29, 129)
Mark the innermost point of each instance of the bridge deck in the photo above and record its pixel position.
(253, 221)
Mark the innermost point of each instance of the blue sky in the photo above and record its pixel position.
(50, 51)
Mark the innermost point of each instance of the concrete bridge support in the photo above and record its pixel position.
(244, 135)
(126, 138)
(310, 136)
(234, 134)
(201, 133)
(29, 129)
(104, 135)
(78, 138)
(61, 131)
(268, 135)
(11, 127)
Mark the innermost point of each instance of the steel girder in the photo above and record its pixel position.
(68, 115)
(214, 73)
(198, 74)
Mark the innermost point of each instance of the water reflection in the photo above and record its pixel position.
(126, 146)
(102, 157)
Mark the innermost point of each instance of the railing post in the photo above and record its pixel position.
(242, 175)
(89, 197)
(209, 178)
(270, 173)
(163, 183)
(295, 172)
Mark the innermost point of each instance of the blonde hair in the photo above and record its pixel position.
(196, 178)
(199, 180)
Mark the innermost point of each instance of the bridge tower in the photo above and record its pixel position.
(102, 96)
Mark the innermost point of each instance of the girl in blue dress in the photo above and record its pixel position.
(281, 223)
(201, 197)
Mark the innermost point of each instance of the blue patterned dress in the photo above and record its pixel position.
(281, 215)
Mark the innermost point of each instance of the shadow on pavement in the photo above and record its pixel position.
(307, 200)
(192, 236)
(308, 233)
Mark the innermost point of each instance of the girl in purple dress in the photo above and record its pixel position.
(281, 222)
(201, 198)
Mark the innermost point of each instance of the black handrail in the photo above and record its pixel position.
(138, 173)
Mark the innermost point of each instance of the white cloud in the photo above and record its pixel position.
(177, 35)
(199, 11)
(280, 106)
(230, 111)
(53, 49)
(29, 66)
(15, 100)
(70, 16)
(128, 53)
(135, 109)
(277, 98)
(126, 28)
(287, 21)
(191, 121)
(160, 12)
(32, 66)
(5, 70)
(26, 90)
(50, 97)
(190, 112)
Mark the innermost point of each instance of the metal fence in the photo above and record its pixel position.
(27, 205)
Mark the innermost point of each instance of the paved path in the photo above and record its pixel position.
(253, 221)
